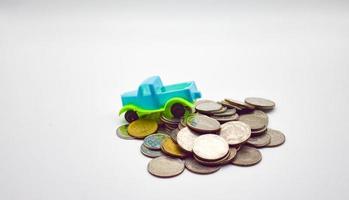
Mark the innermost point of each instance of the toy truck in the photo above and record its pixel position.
(152, 96)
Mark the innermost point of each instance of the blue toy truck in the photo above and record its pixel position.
(152, 97)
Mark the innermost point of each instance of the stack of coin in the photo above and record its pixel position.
(213, 135)
(169, 124)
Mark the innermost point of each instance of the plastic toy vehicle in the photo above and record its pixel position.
(152, 97)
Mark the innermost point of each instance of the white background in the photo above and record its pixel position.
(63, 66)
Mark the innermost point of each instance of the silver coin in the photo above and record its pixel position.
(232, 153)
(259, 141)
(185, 139)
(193, 166)
(231, 106)
(173, 134)
(228, 112)
(150, 153)
(222, 110)
(235, 132)
(277, 138)
(260, 103)
(154, 141)
(122, 133)
(247, 156)
(203, 124)
(208, 107)
(210, 147)
(262, 115)
(258, 132)
(223, 119)
(165, 166)
(212, 162)
(254, 121)
(240, 104)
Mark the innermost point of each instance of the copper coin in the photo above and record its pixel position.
(170, 148)
(277, 138)
(142, 128)
(247, 156)
(259, 141)
(203, 124)
(193, 166)
(260, 103)
(165, 166)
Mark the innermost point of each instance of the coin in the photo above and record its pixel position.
(169, 147)
(154, 141)
(173, 134)
(203, 124)
(277, 138)
(262, 115)
(228, 105)
(122, 133)
(165, 166)
(193, 166)
(254, 121)
(142, 128)
(247, 156)
(258, 132)
(222, 110)
(223, 119)
(259, 141)
(228, 112)
(207, 107)
(240, 104)
(232, 153)
(211, 162)
(201, 101)
(185, 139)
(210, 147)
(150, 153)
(235, 132)
(260, 103)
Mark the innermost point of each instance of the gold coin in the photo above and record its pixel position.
(142, 128)
(171, 148)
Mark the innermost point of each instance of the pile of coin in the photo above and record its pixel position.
(213, 135)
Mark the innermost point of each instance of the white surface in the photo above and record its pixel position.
(64, 65)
